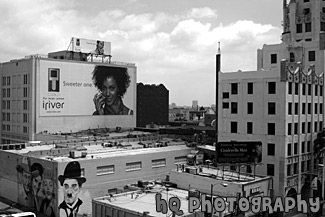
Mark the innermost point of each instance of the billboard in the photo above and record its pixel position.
(96, 47)
(239, 152)
(84, 89)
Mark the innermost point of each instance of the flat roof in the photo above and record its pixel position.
(145, 201)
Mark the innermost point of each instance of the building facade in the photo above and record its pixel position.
(152, 105)
(282, 103)
(34, 176)
(41, 94)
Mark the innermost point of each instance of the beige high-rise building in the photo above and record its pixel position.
(281, 104)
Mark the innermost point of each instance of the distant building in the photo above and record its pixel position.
(195, 104)
(152, 104)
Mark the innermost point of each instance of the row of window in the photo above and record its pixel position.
(134, 166)
(305, 148)
(303, 108)
(303, 127)
(250, 89)
(6, 80)
(234, 107)
(271, 128)
(6, 117)
(309, 88)
(234, 128)
(6, 93)
(299, 27)
(6, 127)
(292, 169)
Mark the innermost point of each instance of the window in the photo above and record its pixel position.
(299, 28)
(4, 81)
(233, 127)
(8, 104)
(289, 169)
(315, 126)
(295, 148)
(25, 105)
(8, 92)
(4, 93)
(25, 79)
(303, 109)
(250, 88)
(296, 108)
(271, 108)
(308, 29)
(296, 89)
(25, 129)
(8, 80)
(320, 125)
(316, 108)
(105, 170)
(234, 108)
(270, 169)
(273, 58)
(303, 89)
(289, 88)
(249, 127)
(271, 128)
(308, 165)
(289, 108)
(272, 87)
(308, 127)
(8, 127)
(289, 128)
(311, 55)
(309, 89)
(303, 164)
(295, 130)
(234, 88)
(25, 93)
(306, 11)
(25, 118)
(225, 95)
(158, 163)
(309, 108)
(303, 126)
(3, 104)
(289, 149)
(321, 90)
(225, 105)
(306, 0)
(292, 57)
(8, 116)
(320, 108)
(181, 160)
(133, 166)
(271, 149)
(302, 147)
(316, 90)
(249, 108)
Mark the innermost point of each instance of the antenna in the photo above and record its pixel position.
(219, 51)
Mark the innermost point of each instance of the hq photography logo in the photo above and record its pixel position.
(232, 204)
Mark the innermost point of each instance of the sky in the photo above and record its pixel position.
(172, 42)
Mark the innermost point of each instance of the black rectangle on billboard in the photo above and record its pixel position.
(239, 152)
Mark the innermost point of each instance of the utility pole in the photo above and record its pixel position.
(218, 63)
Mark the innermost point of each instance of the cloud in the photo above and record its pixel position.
(202, 13)
(173, 49)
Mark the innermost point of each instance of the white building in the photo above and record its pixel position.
(41, 94)
(282, 103)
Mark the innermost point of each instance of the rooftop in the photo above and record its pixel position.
(145, 201)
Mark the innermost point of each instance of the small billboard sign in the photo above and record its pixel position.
(239, 152)
(95, 47)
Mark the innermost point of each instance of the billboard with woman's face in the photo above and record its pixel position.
(81, 89)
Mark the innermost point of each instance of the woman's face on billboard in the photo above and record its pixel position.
(110, 90)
